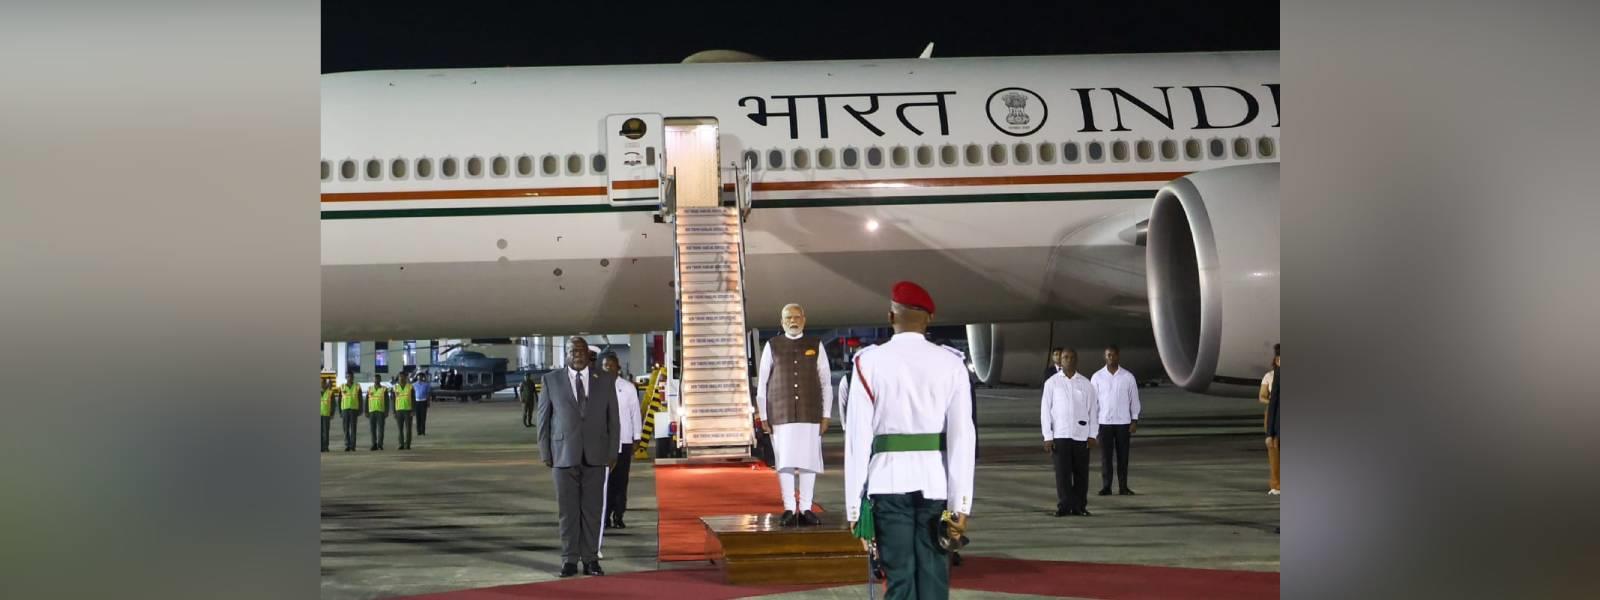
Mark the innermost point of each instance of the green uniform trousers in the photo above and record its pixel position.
(908, 529)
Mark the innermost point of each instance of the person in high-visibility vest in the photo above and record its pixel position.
(350, 410)
(377, 409)
(325, 407)
(404, 397)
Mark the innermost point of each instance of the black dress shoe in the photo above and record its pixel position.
(1084, 512)
(592, 568)
(569, 569)
(1126, 492)
(788, 519)
(1063, 513)
(809, 518)
(618, 522)
(1105, 491)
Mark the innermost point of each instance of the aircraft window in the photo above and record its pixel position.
(1023, 152)
(801, 158)
(947, 155)
(374, 169)
(852, 158)
(550, 165)
(774, 159)
(1119, 150)
(475, 166)
(1241, 148)
(1069, 152)
(448, 167)
(997, 154)
(347, 169)
(1047, 152)
(1191, 149)
(874, 156)
(1264, 147)
(752, 160)
(825, 158)
(500, 166)
(899, 156)
(574, 164)
(1097, 151)
(974, 154)
(397, 168)
(924, 156)
(1218, 148)
(1169, 150)
(597, 163)
(326, 171)
(525, 166)
(425, 167)
(1144, 150)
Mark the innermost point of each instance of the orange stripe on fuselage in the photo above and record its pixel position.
(770, 186)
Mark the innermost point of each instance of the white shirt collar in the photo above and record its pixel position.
(910, 334)
(794, 337)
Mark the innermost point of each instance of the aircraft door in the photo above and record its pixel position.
(634, 154)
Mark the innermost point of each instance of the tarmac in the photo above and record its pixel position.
(471, 505)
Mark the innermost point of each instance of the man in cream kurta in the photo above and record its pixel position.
(904, 393)
(794, 397)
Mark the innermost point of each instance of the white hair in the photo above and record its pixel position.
(790, 305)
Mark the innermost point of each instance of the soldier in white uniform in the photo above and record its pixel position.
(903, 395)
(1069, 415)
(794, 396)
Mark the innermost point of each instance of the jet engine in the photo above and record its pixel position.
(1211, 261)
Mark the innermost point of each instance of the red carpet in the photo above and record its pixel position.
(686, 493)
(1006, 575)
(1109, 581)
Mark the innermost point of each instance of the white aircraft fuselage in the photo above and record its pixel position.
(964, 180)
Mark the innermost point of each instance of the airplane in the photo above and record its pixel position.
(1043, 201)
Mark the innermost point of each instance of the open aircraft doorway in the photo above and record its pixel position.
(692, 158)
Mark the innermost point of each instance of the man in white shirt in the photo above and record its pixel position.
(1118, 393)
(903, 394)
(794, 397)
(1070, 416)
(632, 429)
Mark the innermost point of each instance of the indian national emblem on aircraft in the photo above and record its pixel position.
(1017, 104)
(1017, 111)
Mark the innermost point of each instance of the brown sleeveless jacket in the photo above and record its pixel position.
(794, 390)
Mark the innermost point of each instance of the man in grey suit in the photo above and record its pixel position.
(578, 438)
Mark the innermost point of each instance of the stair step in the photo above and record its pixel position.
(714, 330)
(701, 258)
(715, 362)
(713, 285)
(705, 210)
(698, 436)
(722, 351)
(734, 339)
(712, 297)
(727, 318)
(708, 229)
(711, 307)
(715, 247)
(726, 386)
(710, 267)
(718, 403)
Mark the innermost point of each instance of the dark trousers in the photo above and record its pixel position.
(1114, 438)
(327, 423)
(617, 483)
(527, 413)
(349, 418)
(378, 425)
(907, 527)
(422, 418)
(578, 499)
(402, 423)
(1071, 459)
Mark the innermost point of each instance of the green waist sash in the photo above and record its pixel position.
(891, 442)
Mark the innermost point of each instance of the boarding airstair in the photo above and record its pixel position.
(714, 399)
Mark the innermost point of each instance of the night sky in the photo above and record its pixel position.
(405, 34)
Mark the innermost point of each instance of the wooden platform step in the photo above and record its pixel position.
(754, 549)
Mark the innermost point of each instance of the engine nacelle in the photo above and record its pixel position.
(1211, 259)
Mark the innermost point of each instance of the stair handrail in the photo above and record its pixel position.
(667, 190)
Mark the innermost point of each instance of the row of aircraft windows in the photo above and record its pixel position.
(949, 155)
(1021, 153)
(451, 167)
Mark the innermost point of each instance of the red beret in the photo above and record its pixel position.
(912, 295)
